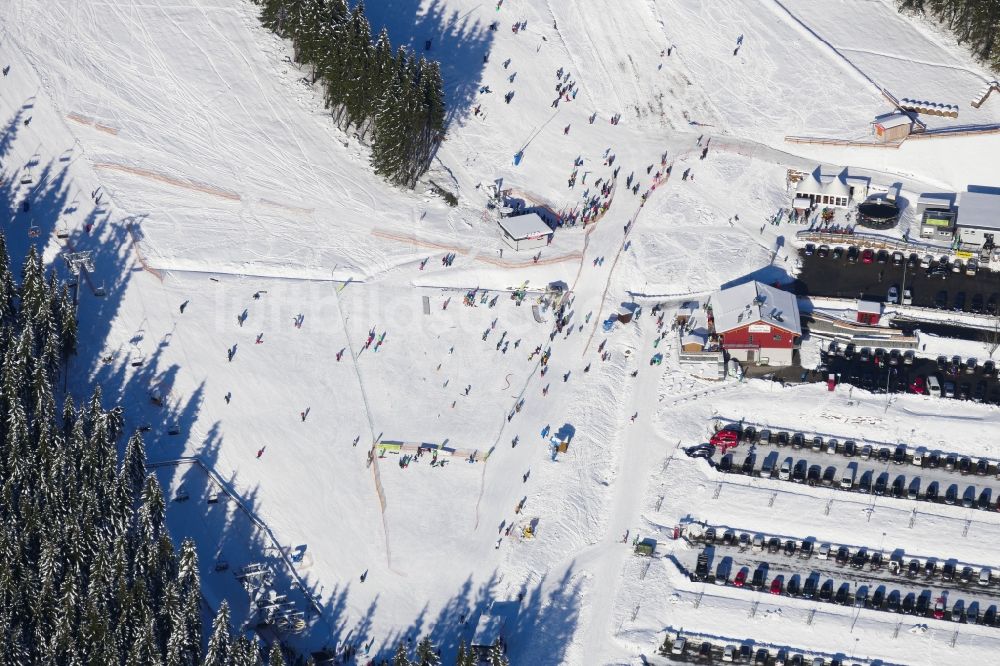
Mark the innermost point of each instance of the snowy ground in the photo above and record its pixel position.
(221, 177)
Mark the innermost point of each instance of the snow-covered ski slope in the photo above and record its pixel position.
(220, 170)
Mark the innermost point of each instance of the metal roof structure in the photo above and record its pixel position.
(525, 226)
(894, 119)
(979, 210)
(755, 302)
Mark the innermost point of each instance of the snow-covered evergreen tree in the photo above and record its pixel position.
(426, 654)
(219, 643)
(496, 656)
(275, 658)
(401, 658)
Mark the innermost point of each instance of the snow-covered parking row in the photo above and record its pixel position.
(834, 582)
(870, 476)
(684, 646)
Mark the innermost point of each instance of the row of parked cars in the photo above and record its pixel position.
(815, 585)
(859, 558)
(881, 484)
(706, 651)
(898, 454)
(855, 254)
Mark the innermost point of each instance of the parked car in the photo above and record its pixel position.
(785, 472)
(897, 258)
(776, 585)
(823, 251)
(741, 578)
(809, 249)
(907, 296)
(882, 257)
(852, 254)
(893, 295)
(868, 256)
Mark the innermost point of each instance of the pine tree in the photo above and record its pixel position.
(219, 643)
(496, 656)
(400, 658)
(275, 658)
(426, 656)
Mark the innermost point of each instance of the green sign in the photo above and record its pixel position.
(937, 222)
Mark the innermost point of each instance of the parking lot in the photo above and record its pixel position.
(881, 371)
(846, 575)
(914, 474)
(683, 646)
(935, 286)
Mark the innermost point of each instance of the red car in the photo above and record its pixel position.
(868, 257)
(939, 608)
(919, 385)
(776, 586)
(725, 440)
(741, 578)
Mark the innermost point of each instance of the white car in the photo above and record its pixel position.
(893, 296)
(926, 261)
(785, 472)
(907, 297)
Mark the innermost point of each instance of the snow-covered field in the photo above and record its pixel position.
(246, 253)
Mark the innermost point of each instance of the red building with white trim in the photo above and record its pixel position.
(756, 323)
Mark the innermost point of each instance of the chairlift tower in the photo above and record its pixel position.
(78, 262)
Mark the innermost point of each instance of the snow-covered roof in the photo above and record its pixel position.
(894, 119)
(801, 202)
(870, 307)
(525, 226)
(823, 183)
(753, 302)
(931, 199)
(487, 630)
(979, 210)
